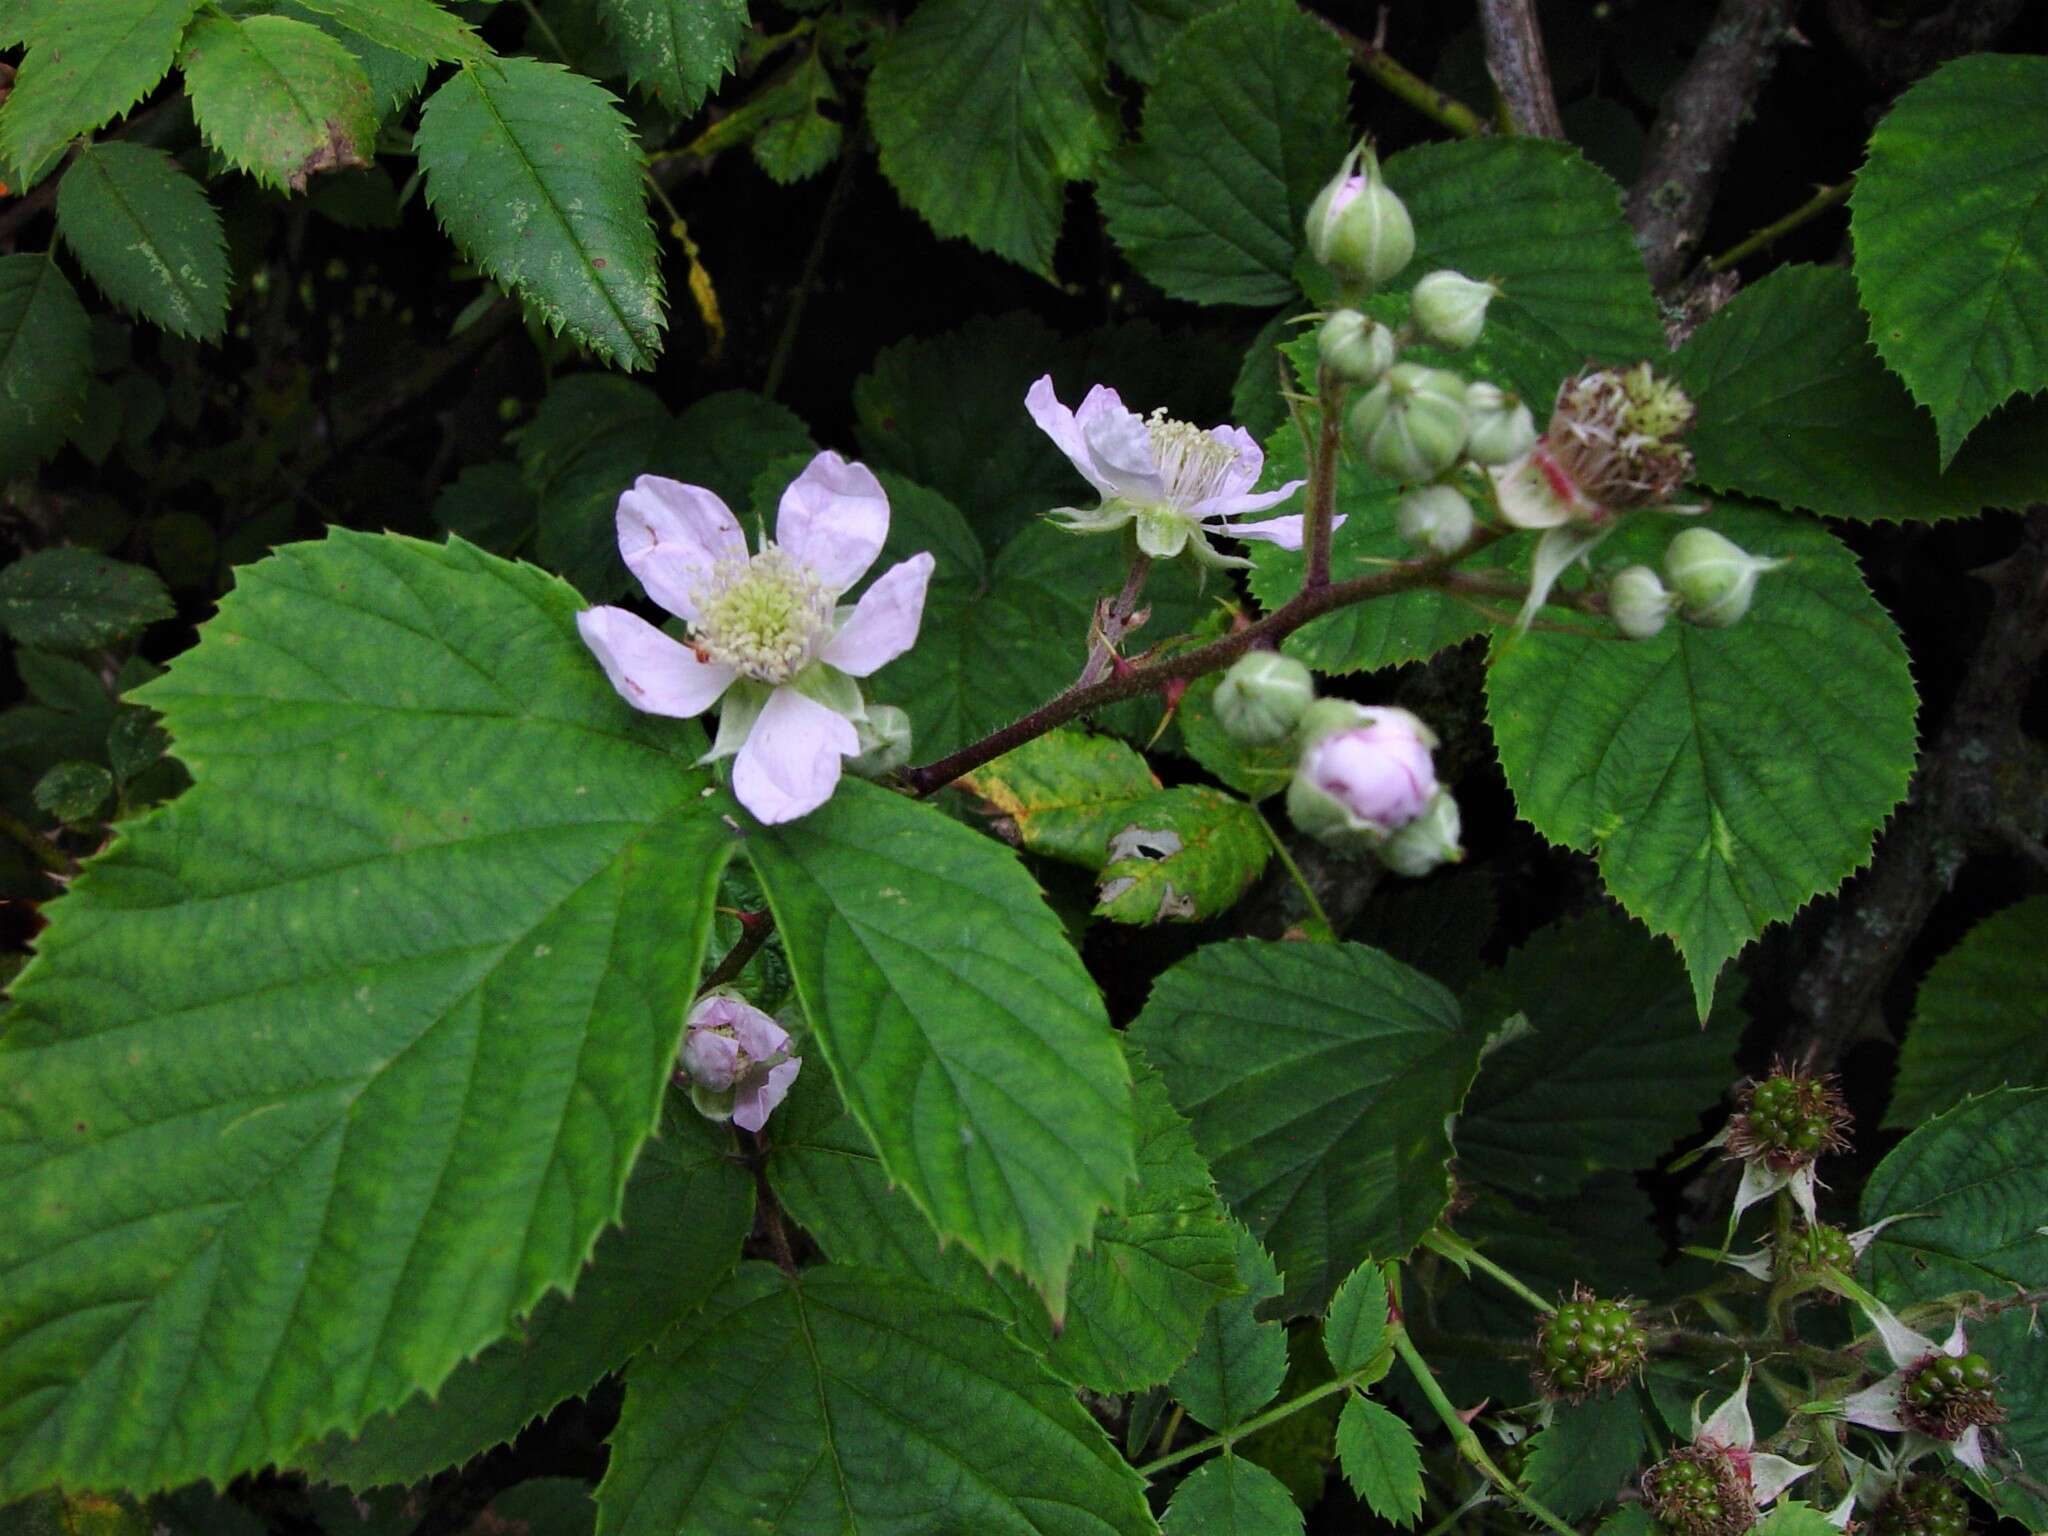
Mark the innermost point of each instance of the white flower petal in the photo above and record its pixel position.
(1237, 504)
(1802, 1185)
(1287, 532)
(670, 536)
(1877, 1405)
(1057, 423)
(652, 672)
(833, 518)
(1968, 1448)
(1555, 552)
(1770, 1476)
(790, 763)
(1249, 459)
(884, 622)
(1120, 446)
(1956, 1345)
(760, 1093)
(1905, 1346)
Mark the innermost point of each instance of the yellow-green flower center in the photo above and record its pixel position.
(765, 616)
(1192, 464)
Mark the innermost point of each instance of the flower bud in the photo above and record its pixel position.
(1263, 697)
(1363, 774)
(1450, 308)
(884, 738)
(1502, 428)
(1357, 227)
(1436, 518)
(1411, 425)
(735, 1061)
(1638, 603)
(1429, 840)
(1714, 577)
(1356, 348)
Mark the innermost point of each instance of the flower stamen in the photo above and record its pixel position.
(1193, 465)
(764, 616)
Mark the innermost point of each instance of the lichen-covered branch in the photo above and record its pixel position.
(1521, 73)
(1695, 129)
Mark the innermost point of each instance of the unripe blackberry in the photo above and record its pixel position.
(1946, 1394)
(1588, 1345)
(1924, 1506)
(1788, 1120)
(1816, 1249)
(1698, 1490)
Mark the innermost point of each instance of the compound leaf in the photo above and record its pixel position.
(90, 61)
(1229, 1496)
(676, 50)
(278, 98)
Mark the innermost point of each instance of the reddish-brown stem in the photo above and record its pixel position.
(754, 930)
(1116, 622)
(1322, 487)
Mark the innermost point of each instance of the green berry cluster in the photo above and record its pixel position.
(1947, 1394)
(1924, 1506)
(1788, 1120)
(1588, 1344)
(1817, 1248)
(1698, 1491)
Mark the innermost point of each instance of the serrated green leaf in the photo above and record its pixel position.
(491, 505)
(592, 437)
(147, 235)
(1724, 777)
(1977, 1021)
(802, 144)
(88, 63)
(1380, 1458)
(418, 29)
(1141, 30)
(534, 173)
(1137, 1298)
(45, 359)
(73, 791)
(676, 50)
(1619, 1066)
(1950, 223)
(784, 1405)
(688, 1207)
(278, 98)
(76, 599)
(1975, 1183)
(1318, 1078)
(1239, 1360)
(395, 77)
(1229, 1496)
(983, 113)
(2013, 1343)
(1546, 225)
(1246, 124)
(398, 983)
(935, 976)
(1585, 1455)
(1356, 1329)
(1065, 792)
(1181, 855)
(1793, 405)
(1629, 1520)
(1793, 1518)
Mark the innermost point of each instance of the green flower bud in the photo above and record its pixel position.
(1450, 308)
(1637, 602)
(884, 742)
(1357, 227)
(1411, 425)
(1429, 840)
(1436, 518)
(1263, 697)
(1502, 428)
(1714, 577)
(1355, 348)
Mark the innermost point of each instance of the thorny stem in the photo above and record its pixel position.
(1398, 80)
(1116, 622)
(1812, 208)
(1308, 893)
(1257, 1422)
(754, 930)
(1458, 1251)
(1469, 1448)
(1322, 490)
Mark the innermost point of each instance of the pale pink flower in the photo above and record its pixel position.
(1179, 484)
(766, 633)
(735, 1060)
(1380, 770)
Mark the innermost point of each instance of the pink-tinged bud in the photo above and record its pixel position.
(1357, 227)
(1364, 773)
(735, 1061)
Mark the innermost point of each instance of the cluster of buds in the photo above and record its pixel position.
(1712, 580)
(1588, 1345)
(1364, 779)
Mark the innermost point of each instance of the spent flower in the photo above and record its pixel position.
(1940, 1396)
(766, 633)
(1716, 1484)
(1588, 1344)
(1179, 484)
(735, 1061)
